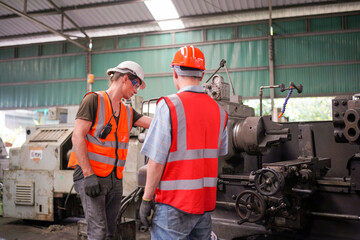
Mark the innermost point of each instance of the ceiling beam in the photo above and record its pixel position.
(48, 12)
(68, 18)
(42, 24)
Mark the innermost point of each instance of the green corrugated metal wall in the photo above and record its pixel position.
(316, 52)
(317, 49)
(23, 82)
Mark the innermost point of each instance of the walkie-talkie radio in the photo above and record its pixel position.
(106, 130)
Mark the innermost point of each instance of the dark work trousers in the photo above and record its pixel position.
(101, 211)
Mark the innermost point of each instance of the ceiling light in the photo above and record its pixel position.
(171, 24)
(162, 9)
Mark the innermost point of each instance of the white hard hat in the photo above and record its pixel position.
(129, 67)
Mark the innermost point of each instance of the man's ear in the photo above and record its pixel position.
(175, 73)
(124, 78)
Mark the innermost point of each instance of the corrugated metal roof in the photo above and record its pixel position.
(109, 15)
(114, 17)
(31, 6)
(191, 8)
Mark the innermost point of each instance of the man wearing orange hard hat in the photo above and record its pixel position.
(184, 141)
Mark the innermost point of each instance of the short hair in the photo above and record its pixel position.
(114, 77)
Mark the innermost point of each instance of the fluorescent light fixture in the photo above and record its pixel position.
(162, 9)
(171, 24)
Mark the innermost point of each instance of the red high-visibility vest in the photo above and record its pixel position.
(105, 154)
(189, 181)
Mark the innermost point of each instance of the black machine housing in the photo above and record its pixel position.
(289, 180)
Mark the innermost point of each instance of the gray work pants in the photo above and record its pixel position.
(101, 212)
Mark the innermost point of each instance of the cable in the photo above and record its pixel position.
(67, 197)
(127, 200)
(286, 100)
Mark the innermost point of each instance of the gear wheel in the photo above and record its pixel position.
(250, 206)
(268, 182)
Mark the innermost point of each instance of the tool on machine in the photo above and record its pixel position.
(223, 64)
(299, 88)
(291, 88)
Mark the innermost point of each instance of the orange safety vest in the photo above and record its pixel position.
(189, 181)
(105, 154)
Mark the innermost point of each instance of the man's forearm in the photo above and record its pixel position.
(153, 177)
(81, 154)
(144, 122)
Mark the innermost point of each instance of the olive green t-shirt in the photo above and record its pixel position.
(88, 109)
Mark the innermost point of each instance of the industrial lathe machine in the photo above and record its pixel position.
(288, 180)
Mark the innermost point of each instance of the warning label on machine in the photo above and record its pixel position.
(36, 153)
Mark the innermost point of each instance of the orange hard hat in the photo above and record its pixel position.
(189, 56)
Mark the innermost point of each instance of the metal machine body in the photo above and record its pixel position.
(38, 181)
(290, 180)
(4, 160)
(38, 184)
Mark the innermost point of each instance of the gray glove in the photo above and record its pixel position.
(92, 186)
(146, 211)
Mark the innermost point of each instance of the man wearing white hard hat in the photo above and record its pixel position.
(100, 141)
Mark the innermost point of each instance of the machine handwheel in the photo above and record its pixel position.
(250, 206)
(268, 182)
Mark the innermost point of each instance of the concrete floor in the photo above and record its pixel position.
(16, 229)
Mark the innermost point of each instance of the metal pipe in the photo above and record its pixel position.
(271, 58)
(335, 183)
(228, 75)
(226, 204)
(308, 191)
(25, 6)
(148, 105)
(261, 92)
(88, 61)
(41, 24)
(260, 96)
(337, 216)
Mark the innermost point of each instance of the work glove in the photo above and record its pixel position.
(92, 186)
(146, 212)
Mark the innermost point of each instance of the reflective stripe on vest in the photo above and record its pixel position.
(102, 152)
(189, 180)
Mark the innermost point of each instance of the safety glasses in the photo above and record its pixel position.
(134, 82)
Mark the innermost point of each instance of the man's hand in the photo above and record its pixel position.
(146, 212)
(92, 186)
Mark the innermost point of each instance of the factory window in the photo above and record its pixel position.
(253, 30)
(51, 49)
(28, 51)
(189, 37)
(353, 21)
(129, 42)
(103, 44)
(297, 109)
(6, 53)
(325, 24)
(220, 34)
(158, 40)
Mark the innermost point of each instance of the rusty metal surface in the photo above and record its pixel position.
(42, 206)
